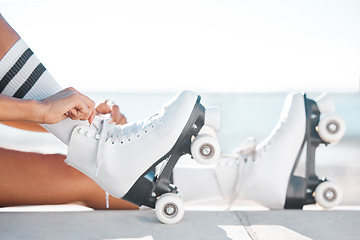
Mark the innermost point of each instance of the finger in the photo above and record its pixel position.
(73, 113)
(119, 119)
(115, 114)
(80, 111)
(89, 103)
(103, 108)
(92, 117)
(123, 120)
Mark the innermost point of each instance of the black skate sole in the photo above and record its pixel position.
(152, 184)
(300, 189)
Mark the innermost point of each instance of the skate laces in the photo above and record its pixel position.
(246, 152)
(122, 134)
(248, 146)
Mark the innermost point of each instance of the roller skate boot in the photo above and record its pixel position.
(265, 171)
(135, 161)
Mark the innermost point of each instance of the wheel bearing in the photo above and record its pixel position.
(207, 150)
(170, 210)
(330, 194)
(333, 127)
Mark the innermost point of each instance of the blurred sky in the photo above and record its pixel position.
(206, 46)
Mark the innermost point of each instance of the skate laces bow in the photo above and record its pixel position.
(122, 133)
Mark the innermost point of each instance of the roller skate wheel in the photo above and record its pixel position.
(331, 128)
(328, 195)
(169, 208)
(205, 149)
(208, 130)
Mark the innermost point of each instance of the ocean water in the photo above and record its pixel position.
(242, 115)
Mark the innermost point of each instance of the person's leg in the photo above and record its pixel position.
(121, 159)
(22, 75)
(8, 37)
(28, 178)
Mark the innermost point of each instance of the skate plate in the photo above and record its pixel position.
(154, 188)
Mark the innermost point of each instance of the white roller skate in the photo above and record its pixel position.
(265, 171)
(135, 161)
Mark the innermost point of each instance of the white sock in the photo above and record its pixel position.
(22, 75)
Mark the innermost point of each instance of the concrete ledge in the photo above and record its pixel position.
(143, 224)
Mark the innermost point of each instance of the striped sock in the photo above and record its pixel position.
(22, 75)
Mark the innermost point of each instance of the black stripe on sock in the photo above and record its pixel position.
(15, 69)
(30, 82)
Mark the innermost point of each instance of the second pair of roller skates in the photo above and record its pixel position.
(265, 172)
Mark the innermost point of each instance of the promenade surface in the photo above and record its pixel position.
(72, 222)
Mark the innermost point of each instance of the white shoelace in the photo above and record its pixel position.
(122, 133)
(246, 153)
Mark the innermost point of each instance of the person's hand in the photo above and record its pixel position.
(68, 103)
(108, 107)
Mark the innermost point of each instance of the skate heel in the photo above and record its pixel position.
(212, 117)
(325, 104)
(154, 189)
(329, 129)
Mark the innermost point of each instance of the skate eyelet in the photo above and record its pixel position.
(138, 135)
(121, 142)
(129, 140)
